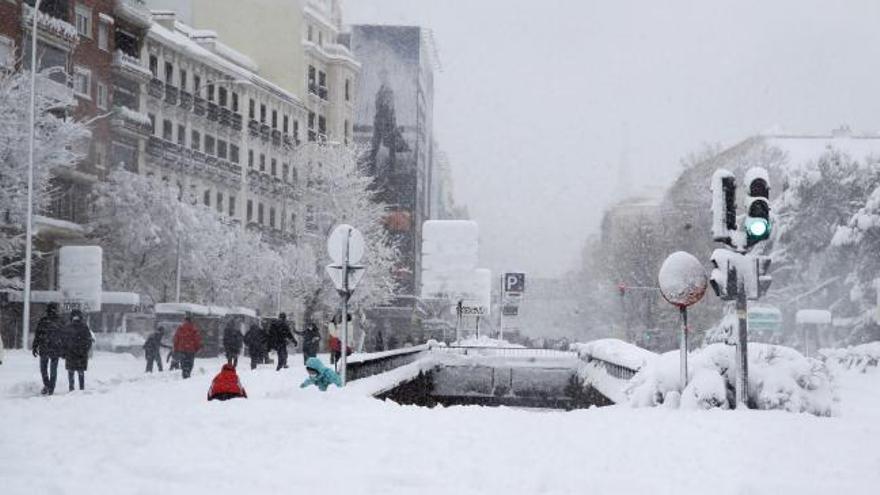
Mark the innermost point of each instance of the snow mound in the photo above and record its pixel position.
(614, 351)
(859, 358)
(779, 378)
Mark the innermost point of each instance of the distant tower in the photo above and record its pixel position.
(624, 176)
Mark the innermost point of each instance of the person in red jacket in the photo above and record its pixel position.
(226, 385)
(187, 342)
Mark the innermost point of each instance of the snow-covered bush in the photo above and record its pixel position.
(779, 378)
(57, 146)
(860, 358)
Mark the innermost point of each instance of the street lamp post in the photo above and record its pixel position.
(29, 235)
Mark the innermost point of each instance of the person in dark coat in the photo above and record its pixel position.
(232, 342)
(255, 340)
(153, 349)
(311, 341)
(49, 346)
(78, 343)
(279, 335)
(226, 385)
(187, 342)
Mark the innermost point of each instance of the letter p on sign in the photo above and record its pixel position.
(514, 283)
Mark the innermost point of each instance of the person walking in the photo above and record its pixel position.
(77, 344)
(311, 341)
(320, 376)
(255, 340)
(279, 335)
(187, 342)
(49, 346)
(233, 341)
(153, 349)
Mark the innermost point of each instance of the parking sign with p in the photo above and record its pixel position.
(514, 283)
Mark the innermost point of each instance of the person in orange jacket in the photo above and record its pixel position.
(187, 342)
(226, 385)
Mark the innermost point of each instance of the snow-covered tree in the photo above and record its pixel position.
(58, 144)
(337, 189)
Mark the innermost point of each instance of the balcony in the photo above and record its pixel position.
(254, 128)
(225, 117)
(288, 140)
(130, 67)
(131, 122)
(133, 11)
(264, 131)
(323, 92)
(276, 137)
(171, 94)
(186, 100)
(237, 121)
(213, 112)
(53, 27)
(154, 147)
(156, 88)
(199, 105)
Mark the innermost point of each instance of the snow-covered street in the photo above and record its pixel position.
(131, 433)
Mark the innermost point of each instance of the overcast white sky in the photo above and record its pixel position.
(538, 100)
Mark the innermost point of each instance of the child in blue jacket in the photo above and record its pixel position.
(320, 375)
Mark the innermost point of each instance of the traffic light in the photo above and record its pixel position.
(757, 222)
(723, 206)
(723, 277)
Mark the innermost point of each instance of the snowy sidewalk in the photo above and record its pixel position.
(158, 434)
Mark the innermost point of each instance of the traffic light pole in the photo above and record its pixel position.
(742, 343)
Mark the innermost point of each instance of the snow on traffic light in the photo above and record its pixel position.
(757, 221)
(723, 206)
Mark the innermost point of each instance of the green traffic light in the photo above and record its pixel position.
(758, 228)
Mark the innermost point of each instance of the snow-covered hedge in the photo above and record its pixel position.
(779, 378)
(860, 357)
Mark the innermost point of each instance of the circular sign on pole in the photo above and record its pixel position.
(683, 279)
(346, 235)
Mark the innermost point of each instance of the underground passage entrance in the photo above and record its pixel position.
(494, 386)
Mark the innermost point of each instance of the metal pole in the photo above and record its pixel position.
(501, 310)
(177, 275)
(346, 293)
(742, 351)
(29, 229)
(458, 323)
(478, 328)
(683, 347)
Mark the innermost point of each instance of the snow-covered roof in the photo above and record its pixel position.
(181, 308)
(126, 298)
(803, 149)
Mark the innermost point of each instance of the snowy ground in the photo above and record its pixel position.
(157, 434)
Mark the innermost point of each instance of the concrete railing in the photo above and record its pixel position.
(365, 365)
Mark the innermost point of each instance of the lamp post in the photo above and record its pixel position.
(29, 235)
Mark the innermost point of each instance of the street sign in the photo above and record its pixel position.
(80, 274)
(510, 310)
(514, 283)
(683, 279)
(473, 309)
(355, 275)
(336, 244)
(765, 319)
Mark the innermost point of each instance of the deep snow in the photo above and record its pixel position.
(132, 433)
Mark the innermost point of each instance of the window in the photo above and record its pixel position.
(104, 36)
(250, 158)
(210, 92)
(311, 32)
(322, 79)
(182, 79)
(250, 210)
(231, 206)
(285, 171)
(262, 114)
(235, 102)
(181, 135)
(154, 66)
(274, 167)
(286, 124)
(312, 80)
(296, 131)
(102, 96)
(209, 145)
(293, 221)
(220, 202)
(294, 176)
(274, 119)
(322, 125)
(346, 132)
(222, 96)
(7, 51)
(347, 90)
(260, 214)
(82, 82)
(272, 217)
(206, 199)
(233, 154)
(262, 162)
(167, 130)
(169, 73)
(197, 84)
(152, 123)
(320, 38)
(222, 149)
(84, 21)
(195, 140)
(252, 109)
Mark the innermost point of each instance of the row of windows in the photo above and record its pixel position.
(84, 27)
(206, 143)
(317, 84)
(82, 86)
